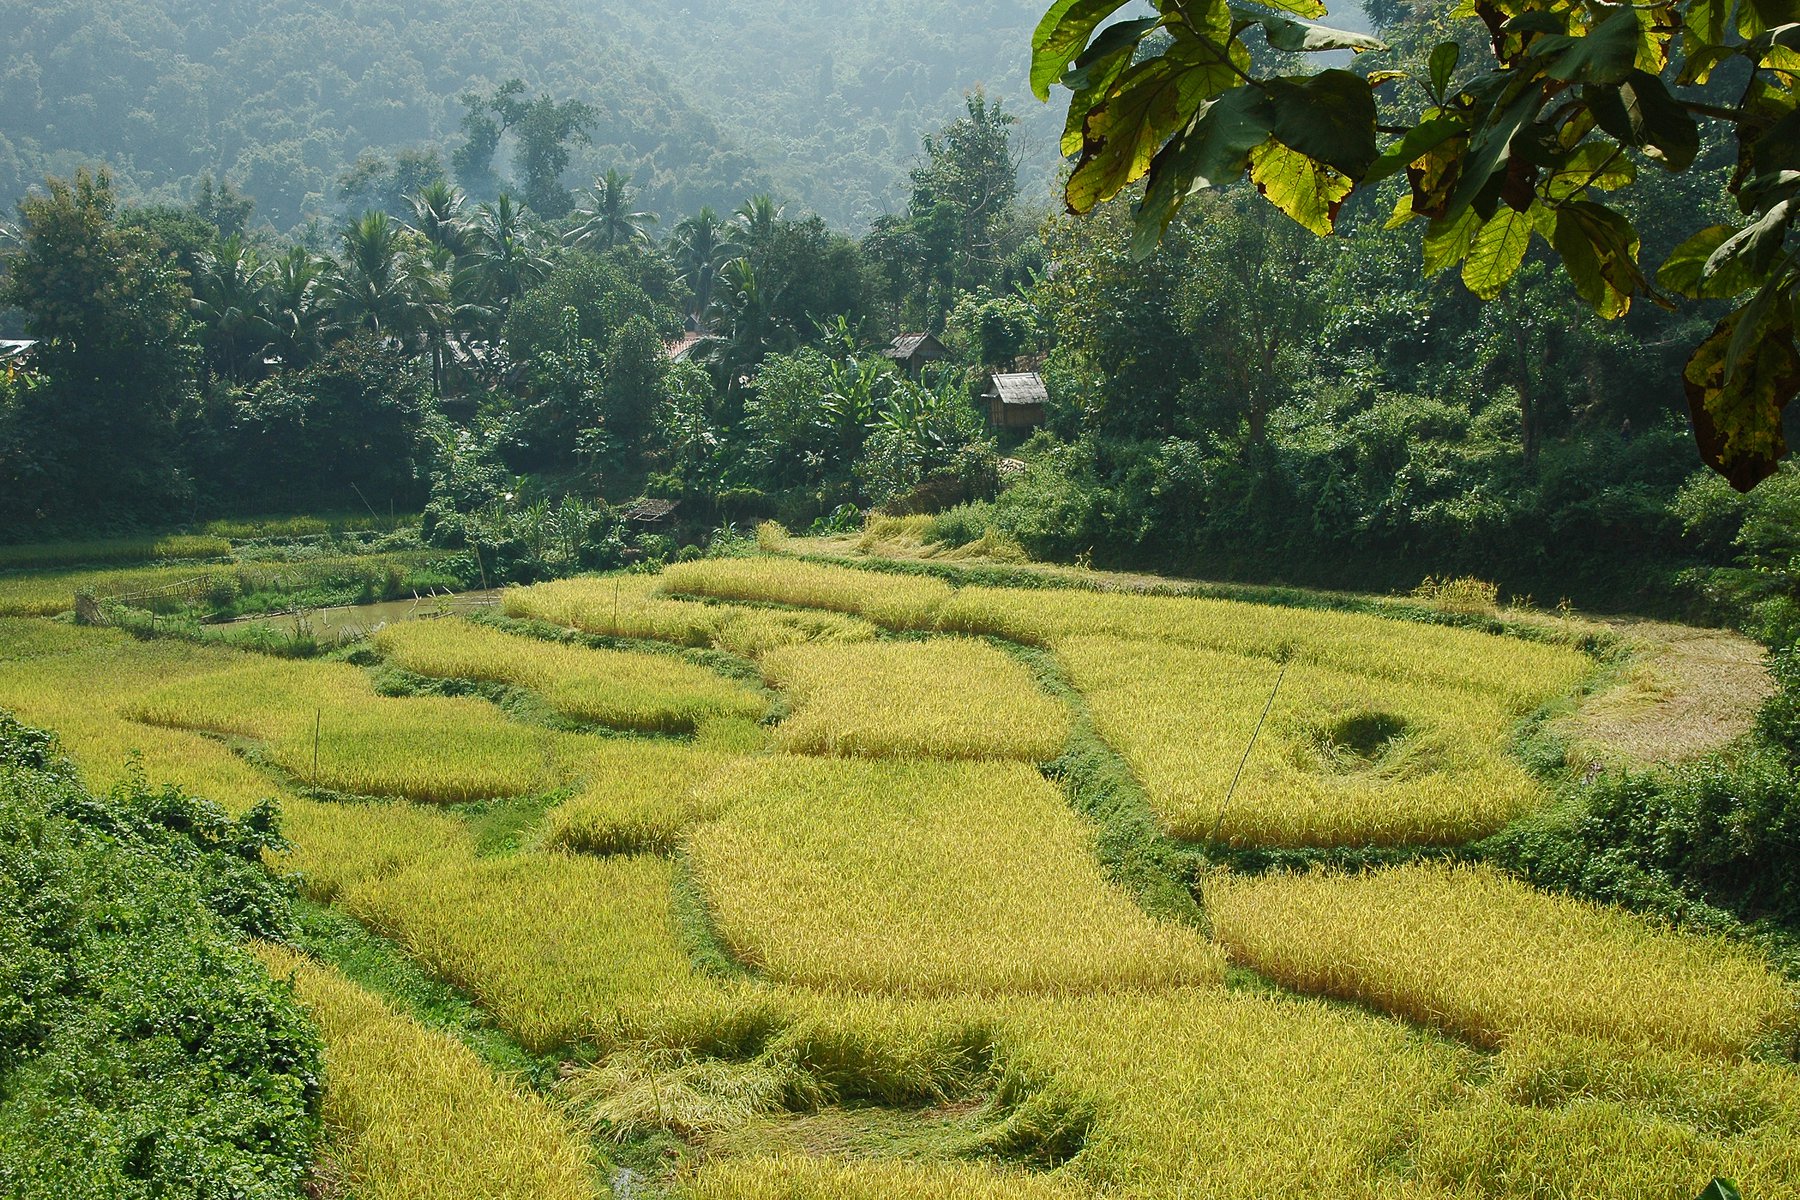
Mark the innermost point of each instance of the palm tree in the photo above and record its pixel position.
(756, 220)
(604, 218)
(231, 292)
(702, 247)
(451, 313)
(374, 287)
(507, 259)
(744, 314)
(441, 217)
(293, 306)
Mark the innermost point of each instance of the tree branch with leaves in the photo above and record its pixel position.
(1495, 155)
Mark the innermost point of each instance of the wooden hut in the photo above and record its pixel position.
(914, 351)
(1016, 400)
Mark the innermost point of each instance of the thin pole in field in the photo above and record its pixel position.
(615, 608)
(318, 720)
(1232, 791)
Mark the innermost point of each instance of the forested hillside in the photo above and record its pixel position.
(834, 96)
(283, 96)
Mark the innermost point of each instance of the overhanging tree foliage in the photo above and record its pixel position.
(1577, 93)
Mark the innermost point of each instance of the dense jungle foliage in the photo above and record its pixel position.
(482, 341)
(143, 1051)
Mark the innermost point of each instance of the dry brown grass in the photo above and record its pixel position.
(1687, 692)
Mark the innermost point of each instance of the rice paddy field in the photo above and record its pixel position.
(772, 879)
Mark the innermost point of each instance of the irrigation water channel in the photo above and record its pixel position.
(357, 620)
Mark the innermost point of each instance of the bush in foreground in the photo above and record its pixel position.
(142, 1051)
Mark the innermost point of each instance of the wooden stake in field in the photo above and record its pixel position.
(318, 720)
(1239, 774)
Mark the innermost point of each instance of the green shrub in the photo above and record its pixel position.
(143, 1052)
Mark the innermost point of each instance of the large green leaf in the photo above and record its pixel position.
(1213, 150)
(1738, 423)
(1605, 54)
(1150, 103)
(1061, 36)
(1685, 270)
(1756, 245)
(1498, 253)
(1444, 57)
(1448, 242)
(1308, 191)
(1491, 148)
(1641, 112)
(1599, 252)
(1329, 117)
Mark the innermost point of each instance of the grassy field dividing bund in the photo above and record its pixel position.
(946, 698)
(1484, 956)
(415, 1115)
(657, 693)
(924, 878)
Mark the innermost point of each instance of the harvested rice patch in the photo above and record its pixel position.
(797, 1177)
(558, 947)
(640, 795)
(1343, 759)
(413, 1114)
(893, 601)
(622, 688)
(944, 698)
(1479, 954)
(924, 878)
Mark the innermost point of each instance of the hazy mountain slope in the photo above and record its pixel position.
(833, 97)
(282, 95)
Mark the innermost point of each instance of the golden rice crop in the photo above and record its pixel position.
(46, 555)
(1204, 1092)
(1575, 1118)
(1342, 759)
(428, 748)
(412, 1114)
(1482, 955)
(640, 795)
(944, 698)
(894, 601)
(337, 844)
(623, 688)
(1524, 674)
(924, 877)
(634, 606)
(80, 682)
(558, 947)
(802, 1177)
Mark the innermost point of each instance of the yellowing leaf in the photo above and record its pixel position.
(1447, 243)
(1738, 424)
(1308, 191)
(1498, 253)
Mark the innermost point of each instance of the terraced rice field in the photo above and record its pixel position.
(873, 929)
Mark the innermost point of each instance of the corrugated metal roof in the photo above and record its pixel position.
(1022, 388)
